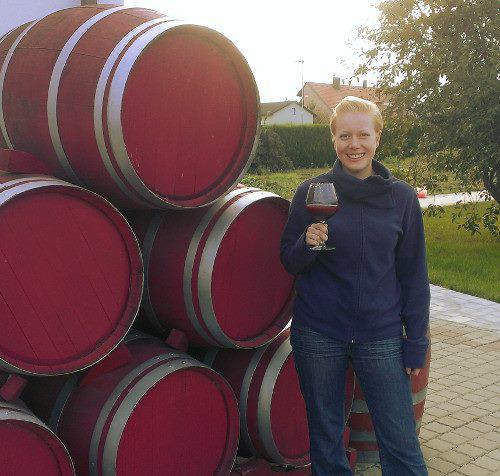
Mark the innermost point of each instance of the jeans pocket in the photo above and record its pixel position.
(381, 349)
(306, 341)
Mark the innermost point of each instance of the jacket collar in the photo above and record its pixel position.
(375, 190)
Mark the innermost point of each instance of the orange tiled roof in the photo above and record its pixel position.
(332, 96)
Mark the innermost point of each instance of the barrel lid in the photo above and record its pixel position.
(176, 418)
(70, 276)
(183, 114)
(248, 291)
(28, 448)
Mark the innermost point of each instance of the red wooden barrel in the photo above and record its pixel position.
(161, 413)
(363, 437)
(28, 447)
(70, 276)
(148, 111)
(215, 273)
(273, 417)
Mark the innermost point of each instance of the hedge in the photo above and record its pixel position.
(310, 146)
(306, 145)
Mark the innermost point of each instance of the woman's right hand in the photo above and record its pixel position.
(316, 234)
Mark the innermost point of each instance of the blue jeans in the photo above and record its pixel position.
(321, 364)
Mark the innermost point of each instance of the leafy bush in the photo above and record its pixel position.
(270, 155)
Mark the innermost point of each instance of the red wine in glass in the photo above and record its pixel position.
(322, 202)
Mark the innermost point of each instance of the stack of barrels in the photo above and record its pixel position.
(123, 134)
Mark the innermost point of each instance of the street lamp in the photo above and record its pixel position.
(302, 83)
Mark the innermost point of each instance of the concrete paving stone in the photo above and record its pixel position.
(467, 432)
(462, 389)
(439, 444)
(450, 394)
(451, 421)
(490, 420)
(484, 443)
(428, 418)
(469, 384)
(442, 465)
(486, 393)
(454, 438)
(433, 397)
(426, 434)
(429, 452)
(474, 410)
(455, 457)
(470, 450)
(479, 426)
(464, 416)
(440, 410)
(438, 427)
(487, 463)
(435, 472)
(474, 397)
(495, 454)
(482, 381)
(464, 381)
(461, 402)
(493, 436)
(472, 470)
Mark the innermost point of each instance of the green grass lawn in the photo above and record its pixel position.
(457, 260)
(461, 261)
(285, 183)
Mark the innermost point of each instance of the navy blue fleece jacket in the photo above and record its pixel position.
(375, 281)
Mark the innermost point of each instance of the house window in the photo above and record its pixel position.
(293, 111)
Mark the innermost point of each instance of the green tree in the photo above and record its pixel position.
(438, 62)
(270, 154)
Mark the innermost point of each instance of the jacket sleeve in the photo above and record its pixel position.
(411, 269)
(296, 256)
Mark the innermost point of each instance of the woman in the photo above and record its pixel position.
(354, 301)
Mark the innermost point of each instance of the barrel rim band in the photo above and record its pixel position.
(115, 99)
(244, 392)
(124, 411)
(3, 74)
(207, 263)
(190, 259)
(61, 401)
(210, 356)
(112, 399)
(99, 106)
(147, 249)
(53, 90)
(268, 384)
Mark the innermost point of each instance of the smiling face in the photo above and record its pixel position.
(356, 140)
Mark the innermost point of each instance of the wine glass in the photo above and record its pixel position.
(322, 202)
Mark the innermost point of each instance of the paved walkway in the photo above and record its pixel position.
(452, 198)
(460, 432)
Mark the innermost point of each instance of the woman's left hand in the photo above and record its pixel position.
(412, 371)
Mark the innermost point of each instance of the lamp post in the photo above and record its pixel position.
(302, 95)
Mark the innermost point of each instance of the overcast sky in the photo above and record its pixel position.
(274, 34)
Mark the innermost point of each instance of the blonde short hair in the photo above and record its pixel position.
(354, 104)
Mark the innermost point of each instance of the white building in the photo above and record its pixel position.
(16, 12)
(285, 112)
